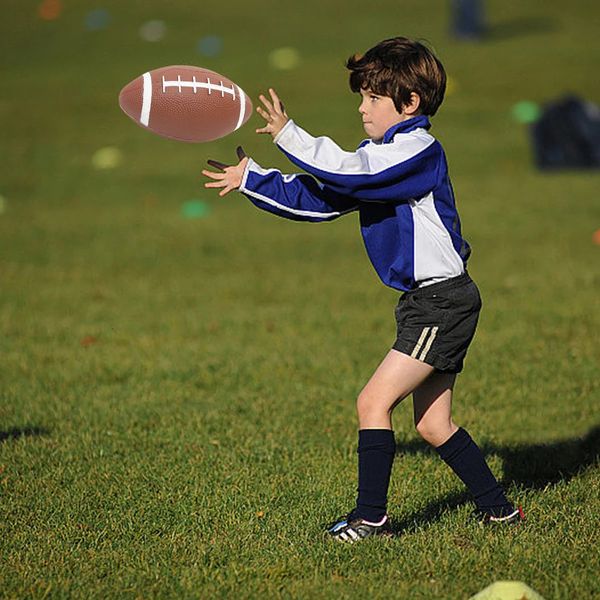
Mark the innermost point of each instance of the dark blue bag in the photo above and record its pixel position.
(567, 136)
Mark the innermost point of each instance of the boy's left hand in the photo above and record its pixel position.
(274, 115)
(230, 177)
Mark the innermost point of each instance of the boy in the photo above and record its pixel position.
(397, 180)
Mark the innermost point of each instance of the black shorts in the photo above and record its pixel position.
(437, 322)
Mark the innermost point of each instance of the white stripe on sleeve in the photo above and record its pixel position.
(255, 168)
(324, 154)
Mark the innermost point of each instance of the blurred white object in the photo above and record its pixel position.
(153, 31)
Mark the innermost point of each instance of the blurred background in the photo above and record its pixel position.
(93, 206)
(146, 324)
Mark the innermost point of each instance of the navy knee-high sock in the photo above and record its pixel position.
(376, 449)
(465, 458)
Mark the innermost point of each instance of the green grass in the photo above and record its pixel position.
(199, 445)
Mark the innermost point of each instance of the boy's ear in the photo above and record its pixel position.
(412, 107)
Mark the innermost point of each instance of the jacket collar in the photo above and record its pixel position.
(420, 122)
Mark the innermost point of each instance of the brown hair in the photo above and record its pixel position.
(396, 68)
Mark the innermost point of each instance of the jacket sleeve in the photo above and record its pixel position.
(296, 197)
(405, 168)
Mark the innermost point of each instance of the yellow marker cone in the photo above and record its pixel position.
(284, 59)
(108, 157)
(507, 590)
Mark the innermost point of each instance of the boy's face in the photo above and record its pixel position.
(378, 114)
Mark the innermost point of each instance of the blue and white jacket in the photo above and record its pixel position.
(399, 186)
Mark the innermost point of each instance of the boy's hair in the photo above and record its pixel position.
(396, 68)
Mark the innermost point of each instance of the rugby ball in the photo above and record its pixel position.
(186, 103)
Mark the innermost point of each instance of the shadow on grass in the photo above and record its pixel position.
(539, 465)
(15, 433)
(532, 466)
(520, 27)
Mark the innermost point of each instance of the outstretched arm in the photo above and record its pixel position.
(230, 177)
(298, 197)
(402, 169)
(406, 167)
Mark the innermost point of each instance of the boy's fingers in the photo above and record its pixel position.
(276, 101)
(215, 184)
(217, 165)
(264, 100)
(215, 176)
(263, 113)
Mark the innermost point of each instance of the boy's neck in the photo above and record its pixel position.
(404, 126)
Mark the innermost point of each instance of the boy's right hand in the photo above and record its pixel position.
(230, 177)
(273, 113)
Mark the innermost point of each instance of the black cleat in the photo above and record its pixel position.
(351, 529)
(518, 516)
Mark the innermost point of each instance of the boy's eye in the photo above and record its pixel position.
(374, 97)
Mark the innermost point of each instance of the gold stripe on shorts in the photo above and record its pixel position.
(428, 344)
(420, 342)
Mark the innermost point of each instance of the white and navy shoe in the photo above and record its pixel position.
(515, 517)
(351, 529)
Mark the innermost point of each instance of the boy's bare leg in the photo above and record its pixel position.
(432, 403)
(432, 406)
(396, 377)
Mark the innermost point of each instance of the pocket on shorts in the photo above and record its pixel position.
(433, 302)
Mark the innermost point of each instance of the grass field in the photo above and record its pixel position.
(177, 395)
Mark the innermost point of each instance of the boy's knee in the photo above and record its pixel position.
(367, 404)
(370, 402)
(435, 433)
(424, 430)
(363, 403)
